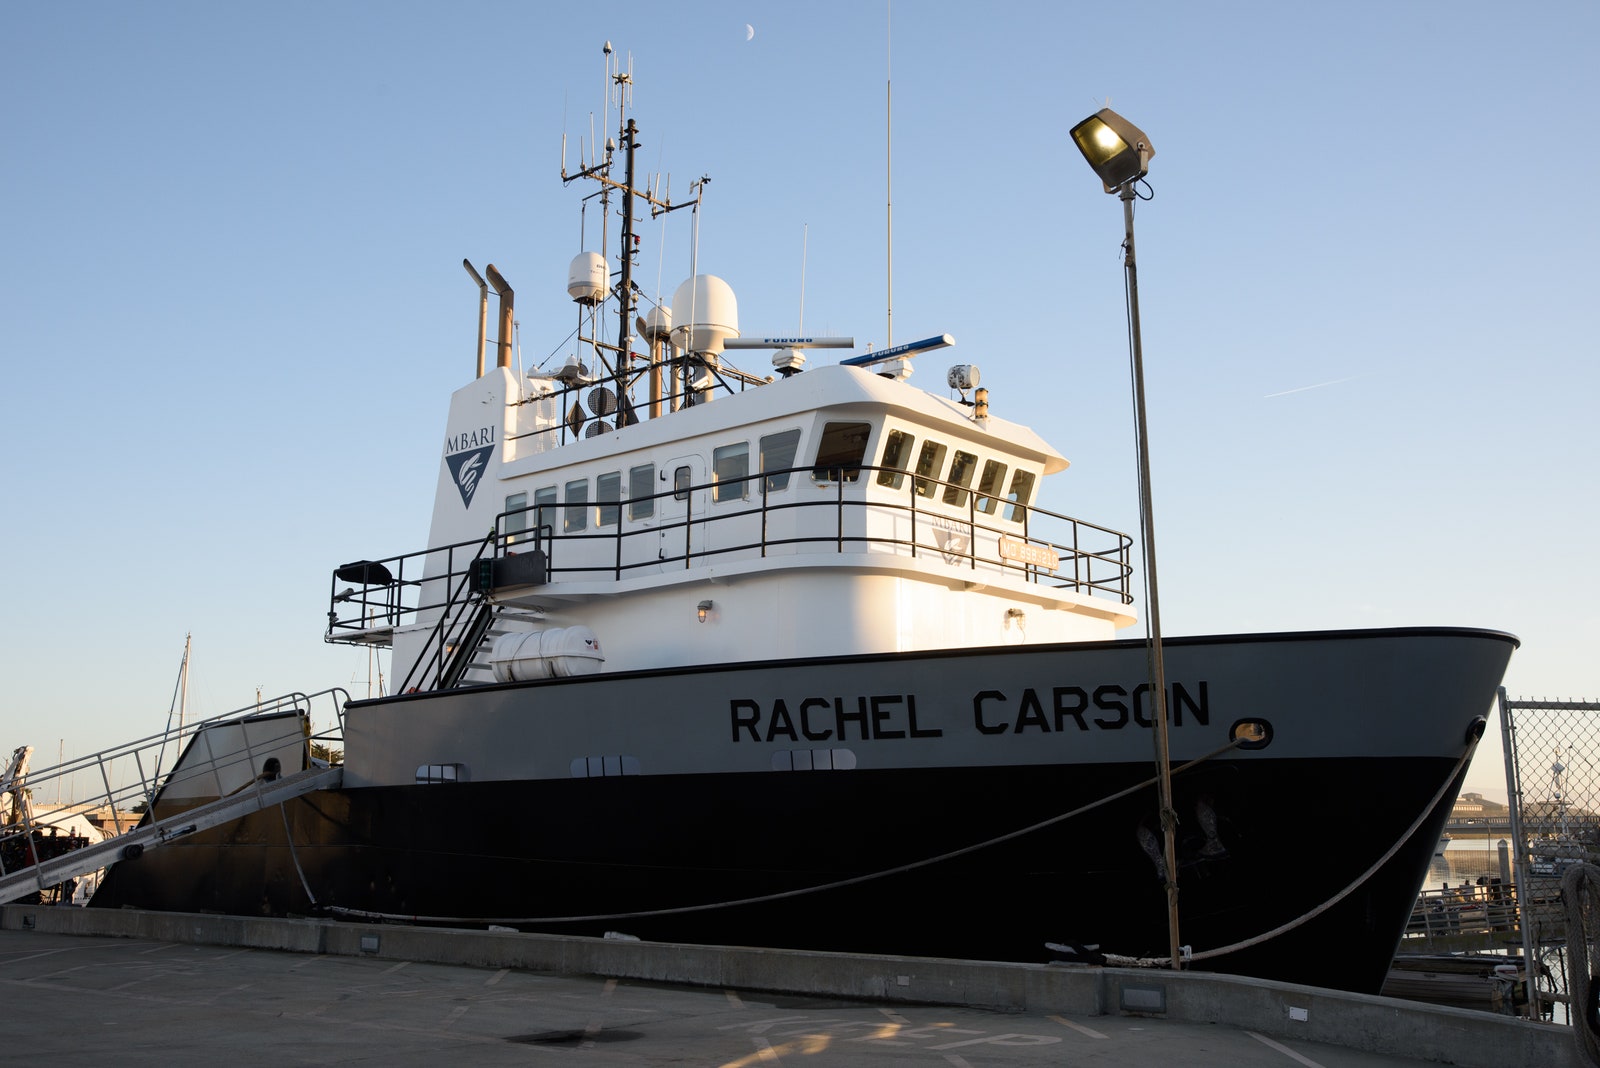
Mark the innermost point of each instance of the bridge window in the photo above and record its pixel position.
(608, 495)
(575, 517)
(730, 466)
(994, 477)
(962, 465)
(641, 491)
(777, 458)
(516, 516)
(930, 461)
(840, 451)
(544, 508)
(896, 454)
(1021, 493)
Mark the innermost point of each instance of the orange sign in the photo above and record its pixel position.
(1025, 552)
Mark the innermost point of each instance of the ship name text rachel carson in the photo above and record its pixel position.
(882, 717)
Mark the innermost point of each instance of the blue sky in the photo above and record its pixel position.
(232, 308)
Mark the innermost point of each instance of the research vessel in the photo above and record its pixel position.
(804, 657)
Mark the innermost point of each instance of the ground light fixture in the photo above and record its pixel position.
(1120, 153)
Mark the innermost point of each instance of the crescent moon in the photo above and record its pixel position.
(749, 32)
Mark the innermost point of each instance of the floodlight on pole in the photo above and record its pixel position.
(1120, 153)
(1118, 150)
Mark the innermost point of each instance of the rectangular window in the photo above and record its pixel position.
(962, 466)
(680, 484)
(1021, 493)
(729, 466)
(641, 491)
(608, 495)
(516, 517)
(575, 516)
(840, 451)
(989, 486)
(930, 461)
(429, 774)
(544, 508)
(896, 454)
(777, 458)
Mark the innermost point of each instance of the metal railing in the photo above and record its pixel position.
(729, 518)
(1470, 916)
(121, 784)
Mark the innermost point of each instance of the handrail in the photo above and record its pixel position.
(137, 784)
(1103, 569)
(1490, 910)
(454, 622)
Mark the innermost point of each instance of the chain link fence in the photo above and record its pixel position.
(1553, 780)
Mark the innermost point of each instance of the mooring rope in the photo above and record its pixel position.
(294, 854)
(1265, 936)
(1580, 894)
(785, 894)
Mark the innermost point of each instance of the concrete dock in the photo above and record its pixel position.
(91, 986)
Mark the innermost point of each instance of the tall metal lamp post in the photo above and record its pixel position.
(1120, 154)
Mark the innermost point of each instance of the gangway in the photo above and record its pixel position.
(173, 784)
(79, 862)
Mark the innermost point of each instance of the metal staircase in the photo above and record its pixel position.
(477, 670)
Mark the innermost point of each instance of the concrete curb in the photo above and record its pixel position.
(1353, 1021)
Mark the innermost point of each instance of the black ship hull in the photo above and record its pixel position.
(965, 860)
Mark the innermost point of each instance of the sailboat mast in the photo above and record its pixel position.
(183, 683)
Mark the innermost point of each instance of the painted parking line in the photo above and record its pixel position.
(1285, 1050)
(1078, 1027)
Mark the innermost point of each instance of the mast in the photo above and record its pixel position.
(600, 171)
(183, 683)
(630, 134)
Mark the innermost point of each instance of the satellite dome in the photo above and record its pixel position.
(587, 282)
(658, 324)
(707, 314)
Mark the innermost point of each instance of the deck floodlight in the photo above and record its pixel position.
(1118, 150)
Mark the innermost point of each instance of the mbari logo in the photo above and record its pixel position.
(467, 466)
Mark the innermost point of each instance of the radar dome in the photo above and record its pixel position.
(587, 282)
(707, 314)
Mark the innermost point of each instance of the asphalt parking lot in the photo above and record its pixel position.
(75, 1000)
